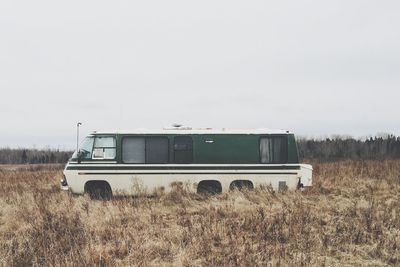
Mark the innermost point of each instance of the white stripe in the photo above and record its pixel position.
(91, 162)
(183, 165)
(185, 171)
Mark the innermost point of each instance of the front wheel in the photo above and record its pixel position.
(99, 190)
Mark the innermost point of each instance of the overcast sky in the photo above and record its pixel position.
(313, 67)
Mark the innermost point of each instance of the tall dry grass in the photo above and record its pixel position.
(350, 217)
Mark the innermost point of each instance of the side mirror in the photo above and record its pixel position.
(79, 156)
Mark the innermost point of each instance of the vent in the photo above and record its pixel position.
(177, 126)
(282, 186)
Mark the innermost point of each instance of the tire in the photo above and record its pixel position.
(241, 184)
(209, 187)
(99, 190)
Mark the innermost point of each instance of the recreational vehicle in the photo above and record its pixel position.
(203, 160)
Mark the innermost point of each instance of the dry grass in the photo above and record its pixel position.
(350, 217)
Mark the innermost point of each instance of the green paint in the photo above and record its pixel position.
(226, 149)
(217, 148)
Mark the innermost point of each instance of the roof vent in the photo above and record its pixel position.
(177, 126)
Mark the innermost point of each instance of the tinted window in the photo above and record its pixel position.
(183, 149)
(156, 150)
(104, 147)
(133, 150)
(273, 149)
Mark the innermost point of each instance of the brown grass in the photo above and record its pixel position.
(350, 217)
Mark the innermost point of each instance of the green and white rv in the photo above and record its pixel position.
(204, 160)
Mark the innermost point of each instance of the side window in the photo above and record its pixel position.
(183, 149)
(152, 150)
(133, 150)
(104, 147)
(273, 149)
(156, 150)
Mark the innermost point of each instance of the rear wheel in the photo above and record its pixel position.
(241, 184)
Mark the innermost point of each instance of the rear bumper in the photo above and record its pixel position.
(306, 171)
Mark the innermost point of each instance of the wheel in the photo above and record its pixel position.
(209, 187)
(99, 190)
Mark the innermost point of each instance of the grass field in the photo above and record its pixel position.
(350, 217)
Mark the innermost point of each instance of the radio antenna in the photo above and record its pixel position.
(77, 136)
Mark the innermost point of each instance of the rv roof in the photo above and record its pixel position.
(186, 130)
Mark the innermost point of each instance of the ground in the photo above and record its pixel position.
(350, 217)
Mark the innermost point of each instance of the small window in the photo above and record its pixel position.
(183, 149)
(104, 147)
(273, 149)
(133, 150)
(156, 150)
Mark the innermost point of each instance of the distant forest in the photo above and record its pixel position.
(33, 156)
(339, 148)
(329, 149)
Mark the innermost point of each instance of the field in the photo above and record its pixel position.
(350, 217)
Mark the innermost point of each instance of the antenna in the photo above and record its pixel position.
(77, 136)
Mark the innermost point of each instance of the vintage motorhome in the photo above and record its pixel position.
(203, 160)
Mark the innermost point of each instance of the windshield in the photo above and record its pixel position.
(85, 148)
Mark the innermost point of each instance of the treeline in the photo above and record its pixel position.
(33, 156)
(331, 149)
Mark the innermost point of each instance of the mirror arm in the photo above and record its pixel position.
(79, 156)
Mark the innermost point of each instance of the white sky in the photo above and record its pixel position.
(313, 67)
